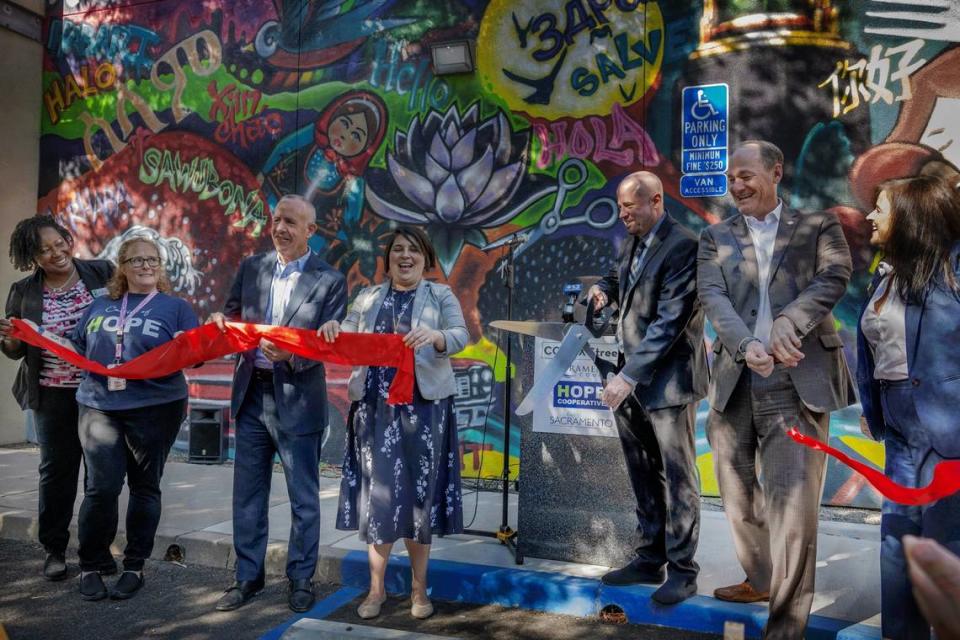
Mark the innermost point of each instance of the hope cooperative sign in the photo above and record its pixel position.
(575, 407)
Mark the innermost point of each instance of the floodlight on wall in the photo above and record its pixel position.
(452, 56)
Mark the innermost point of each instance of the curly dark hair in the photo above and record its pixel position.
(25, 240)
(924, 227)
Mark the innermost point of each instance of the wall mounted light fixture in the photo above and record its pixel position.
(453, 56)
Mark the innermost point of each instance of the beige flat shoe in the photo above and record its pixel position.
(421, 611)
(370, 608)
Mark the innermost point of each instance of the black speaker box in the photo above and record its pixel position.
(208, 440)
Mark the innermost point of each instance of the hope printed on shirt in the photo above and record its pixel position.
(139, 324)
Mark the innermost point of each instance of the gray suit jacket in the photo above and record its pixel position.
(809, 273)
(435, 307)
(300, 383)
(660, 318)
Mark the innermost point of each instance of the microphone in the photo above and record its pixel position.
(572, 290)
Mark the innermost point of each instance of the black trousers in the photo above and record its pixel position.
(132, 443)
(60, 454)
(661, 461)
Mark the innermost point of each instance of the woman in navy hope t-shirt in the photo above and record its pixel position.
(127, 427)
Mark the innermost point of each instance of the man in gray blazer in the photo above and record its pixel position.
(662, 377)
(279, 401)
(768, 278)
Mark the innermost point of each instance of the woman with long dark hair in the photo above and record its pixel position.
(908, 372)
(53, 297)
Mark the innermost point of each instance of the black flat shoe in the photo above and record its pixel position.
(675, 590)
(127, 586)
(239, 593)
(301, 595)
(92, 587)
(55, 567)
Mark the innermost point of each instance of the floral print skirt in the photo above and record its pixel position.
(401, 471)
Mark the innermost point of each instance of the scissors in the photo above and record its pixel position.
(594, 215)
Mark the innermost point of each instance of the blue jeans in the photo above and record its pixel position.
(258, 438)
(132, 443)
(909, 461)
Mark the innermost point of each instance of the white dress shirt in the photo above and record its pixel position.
(285, 277)
(886, 332)
(764, 236)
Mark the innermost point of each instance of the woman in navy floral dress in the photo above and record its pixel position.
(401, 471)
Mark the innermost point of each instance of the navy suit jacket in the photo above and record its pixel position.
(300, 383)
(661, 319)
(933, 365)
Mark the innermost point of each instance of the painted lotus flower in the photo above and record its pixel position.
(455, 176)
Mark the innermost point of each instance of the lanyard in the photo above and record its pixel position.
(122, 321)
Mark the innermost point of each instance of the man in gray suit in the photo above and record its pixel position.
(768, 279)
(663, 374)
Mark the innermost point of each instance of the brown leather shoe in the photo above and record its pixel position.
(743, 592)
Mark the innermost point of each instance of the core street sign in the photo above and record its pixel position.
(704, 148)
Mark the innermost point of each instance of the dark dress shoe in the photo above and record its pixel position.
(301, 595)
(127, 586)
(743, 592)
(238, 594)
(92, 587)
(634, 573)
(675, 589)
(55, 567)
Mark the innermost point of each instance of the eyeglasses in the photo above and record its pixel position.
(139, 261)
(59, 245)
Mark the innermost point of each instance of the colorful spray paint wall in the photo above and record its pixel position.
(187, 120)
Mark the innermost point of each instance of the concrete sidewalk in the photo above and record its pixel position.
(196, 515)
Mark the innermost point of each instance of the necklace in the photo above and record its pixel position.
(67, 283)
(403, 308)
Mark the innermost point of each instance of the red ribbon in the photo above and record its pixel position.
(945, 482)
(209, 343)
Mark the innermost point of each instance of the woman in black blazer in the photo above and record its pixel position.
(54, 297)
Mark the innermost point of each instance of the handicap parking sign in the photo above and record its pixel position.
(704, 147)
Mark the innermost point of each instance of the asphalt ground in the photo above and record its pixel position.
(489, 622)
(178, 602)
(175, 602)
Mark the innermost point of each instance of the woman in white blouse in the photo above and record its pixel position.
(908, 372)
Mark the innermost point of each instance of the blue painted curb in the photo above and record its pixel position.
(860, 632)
(575, 596)
(320, 610)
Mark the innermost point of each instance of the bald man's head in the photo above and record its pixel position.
(292, 225)
(640, 199)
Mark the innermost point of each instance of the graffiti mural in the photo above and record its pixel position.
(186, 122)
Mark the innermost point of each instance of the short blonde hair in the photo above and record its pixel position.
(118, 283)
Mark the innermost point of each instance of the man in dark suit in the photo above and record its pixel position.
(663, 374)
(768, 279)
(279, 401)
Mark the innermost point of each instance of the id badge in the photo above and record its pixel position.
(116, 384)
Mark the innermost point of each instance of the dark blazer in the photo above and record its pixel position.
(660, 318)
(933, 346)
(25, 301)
(809, 273)
(299, 384)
